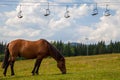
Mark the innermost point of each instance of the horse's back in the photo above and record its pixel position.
(28, 49)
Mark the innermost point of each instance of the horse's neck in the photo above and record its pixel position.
(57, 56)
(55, 53)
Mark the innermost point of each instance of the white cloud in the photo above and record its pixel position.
(77, 12)
(107, 29)
(35, 25)
(59, 24)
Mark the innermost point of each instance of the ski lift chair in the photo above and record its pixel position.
(107, 11)
(47, 12)
(95, 12)
(19, 14)
(66, 15)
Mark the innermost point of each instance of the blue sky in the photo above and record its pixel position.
(81, 24)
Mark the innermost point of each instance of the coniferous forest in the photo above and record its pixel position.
(81, 49)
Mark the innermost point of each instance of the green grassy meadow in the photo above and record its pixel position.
(99, 67)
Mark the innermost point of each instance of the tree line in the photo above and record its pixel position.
(81, 49)
(2, 47)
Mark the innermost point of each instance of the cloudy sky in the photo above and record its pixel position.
(81, 24)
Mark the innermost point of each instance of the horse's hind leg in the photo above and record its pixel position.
(12, 65)
(5, 70)
(12, 60)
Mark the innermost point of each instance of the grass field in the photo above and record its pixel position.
(100, 67)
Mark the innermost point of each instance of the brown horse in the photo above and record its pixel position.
(30, 50)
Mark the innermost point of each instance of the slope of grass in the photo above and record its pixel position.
(100, 67)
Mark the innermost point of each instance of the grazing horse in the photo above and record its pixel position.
(31, 49)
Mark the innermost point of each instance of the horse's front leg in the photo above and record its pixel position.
(33, 71)
(38, 65)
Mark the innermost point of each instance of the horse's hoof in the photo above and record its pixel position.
(4, 74)
(63, 72)
(12, 74)
(37, 73)
(33, 74)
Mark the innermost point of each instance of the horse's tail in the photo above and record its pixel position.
(5, 60)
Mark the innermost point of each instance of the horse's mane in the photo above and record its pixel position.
(57, 54)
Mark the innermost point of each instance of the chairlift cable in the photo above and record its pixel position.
(52, 3)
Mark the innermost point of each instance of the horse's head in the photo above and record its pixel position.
(58, 57)
(61, 65)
